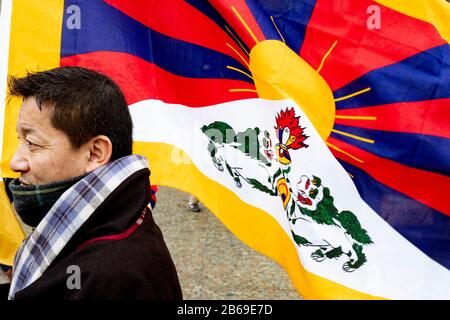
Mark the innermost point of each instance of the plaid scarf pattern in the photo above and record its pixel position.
(66, 216)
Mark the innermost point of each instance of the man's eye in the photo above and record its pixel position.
(31, 144)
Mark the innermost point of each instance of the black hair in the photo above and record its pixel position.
(86, 104)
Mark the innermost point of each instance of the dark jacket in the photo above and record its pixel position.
(130, 264)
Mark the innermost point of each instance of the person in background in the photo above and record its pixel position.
(193, 204)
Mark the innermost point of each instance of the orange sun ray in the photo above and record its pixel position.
(326, 56)
(353, 94)
(240, 71)
(237, 41)
(332, 146)
(242, 90)
(245, 24)
(370, 118)
(353, 136)
(240, 56)
(278, 30)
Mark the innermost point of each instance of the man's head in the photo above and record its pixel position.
(71, 122)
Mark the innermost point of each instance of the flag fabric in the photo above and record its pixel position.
(11, 234)
(315, 130)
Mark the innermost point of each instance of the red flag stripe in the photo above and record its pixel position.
(141, 80)
(430, 117)
(360, 50)
(225, 9)
(175, 18)
(426, 187)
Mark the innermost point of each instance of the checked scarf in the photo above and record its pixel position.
(66, 216)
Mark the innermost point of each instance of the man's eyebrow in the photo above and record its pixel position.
(27, 130)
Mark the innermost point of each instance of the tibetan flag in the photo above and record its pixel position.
(317, 131)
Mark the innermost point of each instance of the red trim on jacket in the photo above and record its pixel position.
(119, 236)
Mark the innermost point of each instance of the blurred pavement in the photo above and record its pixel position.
(211, 262)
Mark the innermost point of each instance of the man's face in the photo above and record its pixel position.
(44, 154)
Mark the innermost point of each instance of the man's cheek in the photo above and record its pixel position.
(44, 169)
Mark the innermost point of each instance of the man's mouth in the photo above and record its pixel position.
(24, 183)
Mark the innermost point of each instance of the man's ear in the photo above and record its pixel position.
(100, 151)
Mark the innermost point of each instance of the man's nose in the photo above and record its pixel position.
(19, 162)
